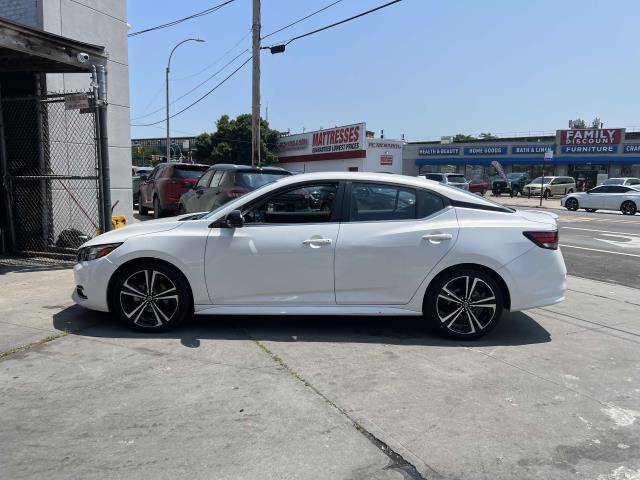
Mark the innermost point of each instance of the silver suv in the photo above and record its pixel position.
(452, 179)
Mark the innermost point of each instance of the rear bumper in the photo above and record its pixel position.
(535, 279)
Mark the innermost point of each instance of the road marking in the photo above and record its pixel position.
(629, 242)
(598, 250)
(601, 231)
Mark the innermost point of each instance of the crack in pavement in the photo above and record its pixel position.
(397, 461)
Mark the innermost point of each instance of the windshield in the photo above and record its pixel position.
(614, 181)
(457, 179)
(539, 180)
(253, 180)
(513, 176)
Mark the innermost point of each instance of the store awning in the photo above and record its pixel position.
(26, 49)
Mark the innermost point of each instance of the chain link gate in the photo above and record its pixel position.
(52, 156)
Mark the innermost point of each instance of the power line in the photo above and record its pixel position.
(176, 22)
(194, 88)
(337, 23)
(198, 100)
(301, 19)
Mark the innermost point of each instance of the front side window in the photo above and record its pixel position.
(302, 204)
(204, 179)
(215, 181)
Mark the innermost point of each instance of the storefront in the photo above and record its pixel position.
(345, 148)
(588, 155)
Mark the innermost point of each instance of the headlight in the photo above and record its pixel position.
(97, 251)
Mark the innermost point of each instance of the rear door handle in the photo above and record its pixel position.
(437, 237)
(317, 241)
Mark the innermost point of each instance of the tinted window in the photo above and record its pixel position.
(204, 180)
(614, 181)
(456, 178)
(633, 181)
(253, 180)
(601, 189)
(539, 180)
(618, 189)
(433, 176)
(306, 204)
(428, 203)
(372, 202)
(188, 171)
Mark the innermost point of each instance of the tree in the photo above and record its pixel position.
(141, 154)
(231, 142)
(577, 123)
(460, 137)
(487, 136)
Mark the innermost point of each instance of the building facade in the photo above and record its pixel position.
(103, 23)
(588, 155)
(346, 148)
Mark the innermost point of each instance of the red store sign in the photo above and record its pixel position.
(591, 136)
(386, 159)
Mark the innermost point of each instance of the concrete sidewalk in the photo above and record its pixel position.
(551, 393)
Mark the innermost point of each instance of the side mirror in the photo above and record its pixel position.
(189, 185)
(143, 177)
(235, 219)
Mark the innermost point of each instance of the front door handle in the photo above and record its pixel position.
(437, 237)
(317, 241)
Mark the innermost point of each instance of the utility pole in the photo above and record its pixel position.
(255, 90)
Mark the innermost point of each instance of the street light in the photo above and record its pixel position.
(167, 80)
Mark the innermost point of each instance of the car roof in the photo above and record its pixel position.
(232, 166)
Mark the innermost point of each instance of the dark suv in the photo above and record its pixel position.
(513, 185)
(162, 190)
(224, 182)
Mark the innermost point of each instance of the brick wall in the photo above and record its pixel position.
(22, 11)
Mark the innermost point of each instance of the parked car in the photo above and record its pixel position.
(478, 186)
(224, 182)
(453, 257)
(625, 181)
(161, 192)
(513, 184)
(605, 197)
(452, 179)
(139, 174)
(552, 186)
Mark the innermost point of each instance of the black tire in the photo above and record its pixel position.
(142, 210)
(590, 210)
(628, 207)
(546, 194)
(571, 204)
(181, 209)
(570, 191)
(168, 311)
(448, 304)
(496, 193)
(483, 191)
(158, 212)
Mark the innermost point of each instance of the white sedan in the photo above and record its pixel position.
(333, 243)
(605, 197)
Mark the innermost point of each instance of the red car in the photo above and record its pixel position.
(161, 191)
(478, 186)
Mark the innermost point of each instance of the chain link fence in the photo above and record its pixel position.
(52, 166)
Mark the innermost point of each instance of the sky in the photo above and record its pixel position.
(419, 68)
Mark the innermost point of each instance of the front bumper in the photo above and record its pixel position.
(93, 276)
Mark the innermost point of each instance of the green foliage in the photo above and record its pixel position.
(231, 142)
(460, 137)
(141, 155)
(487, 136)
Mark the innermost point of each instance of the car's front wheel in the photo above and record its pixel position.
(464, 304)
(151, 296)
(571, 204)
(628, 208)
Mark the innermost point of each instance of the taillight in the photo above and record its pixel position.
(237, 192)
(544, 239)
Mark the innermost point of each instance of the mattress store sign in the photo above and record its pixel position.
(591, 136)
(333, 143)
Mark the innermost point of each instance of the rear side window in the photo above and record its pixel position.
(373, 202)
(456, 178)
(433, 176)
(187, 171)
(253, 180)
(215, 181)
(428, 203)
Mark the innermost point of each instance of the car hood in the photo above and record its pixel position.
(538, 216)
(133, 230)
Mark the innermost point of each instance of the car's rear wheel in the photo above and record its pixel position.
(151, 297)
(464, 304)
(141, 208)
(546, 194)
(590, 210)
(628, 208)
(158, 212)
(571, 204)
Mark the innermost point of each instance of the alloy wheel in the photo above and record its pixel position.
(571, 204)
(149, 298)
(628, 208)
(466, 305)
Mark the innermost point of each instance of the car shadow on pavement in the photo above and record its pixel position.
(516, 328)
